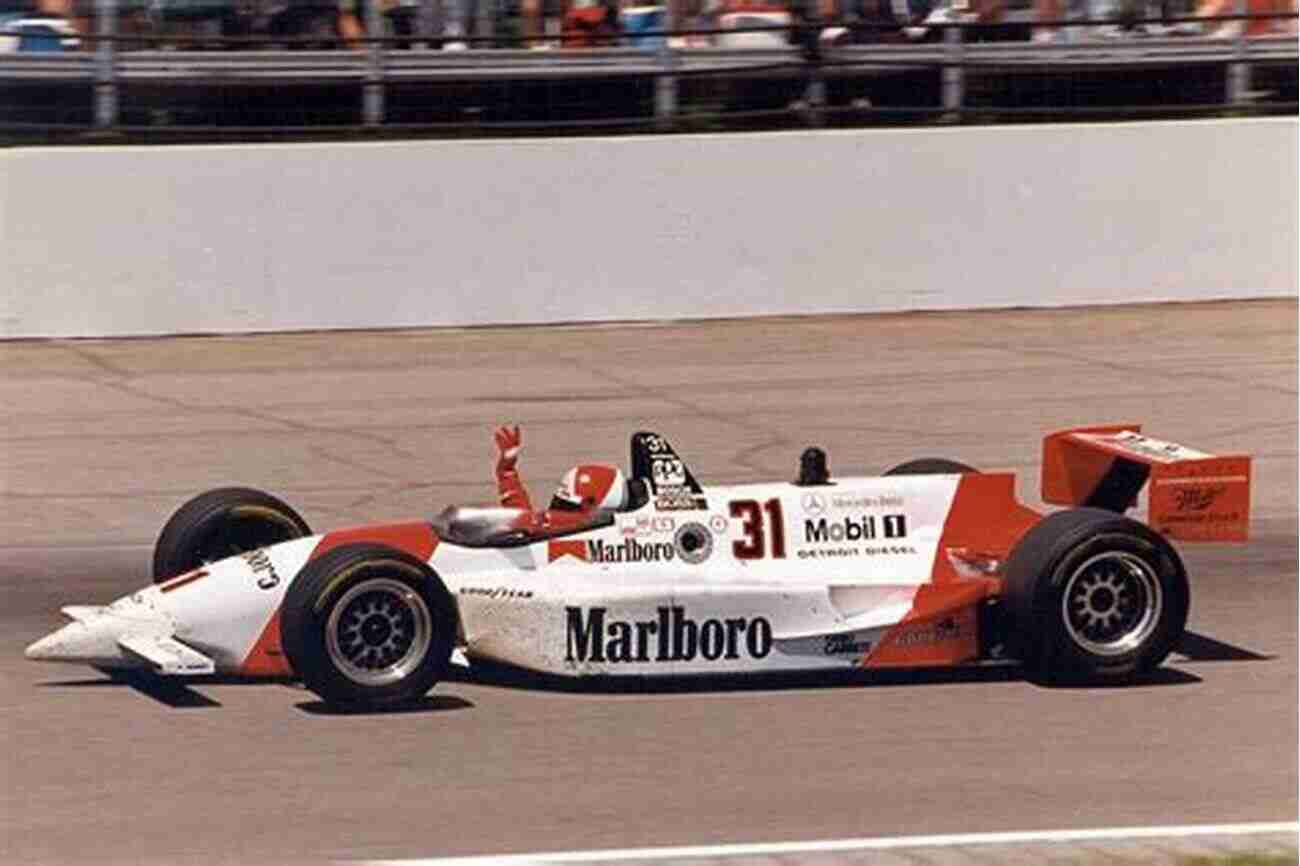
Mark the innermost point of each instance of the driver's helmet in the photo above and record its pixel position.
(591, 487)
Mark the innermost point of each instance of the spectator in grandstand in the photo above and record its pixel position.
(296, 20)
(533, 26)
(589, 23)
(921, 20)
(1254, 27)
(463, 18)
(1093, 10)
(350, 23)
(66, 10)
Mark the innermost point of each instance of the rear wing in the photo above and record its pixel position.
(1194, 496)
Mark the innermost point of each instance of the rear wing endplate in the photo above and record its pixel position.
(1194, 496)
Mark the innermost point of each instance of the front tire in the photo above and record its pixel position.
(221, 523)
(368, 625)
(1094, 596)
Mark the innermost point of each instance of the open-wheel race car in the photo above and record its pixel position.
(931, 564)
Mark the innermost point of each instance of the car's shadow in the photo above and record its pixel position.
(175, 693)
(182, 694)
(1197, 647)
(427, 704)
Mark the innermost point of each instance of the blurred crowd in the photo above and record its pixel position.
(547, 24)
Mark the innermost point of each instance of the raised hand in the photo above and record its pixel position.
(509, 442)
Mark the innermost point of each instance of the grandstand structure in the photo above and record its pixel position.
(121, 70)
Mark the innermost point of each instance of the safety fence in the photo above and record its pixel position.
(801, 70)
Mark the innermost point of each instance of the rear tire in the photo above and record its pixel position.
(931, 466)
(221, 523)
(1094, 596)
(368, 625)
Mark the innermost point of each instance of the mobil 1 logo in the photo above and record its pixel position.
(867, 527)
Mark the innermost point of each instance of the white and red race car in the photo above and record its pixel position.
(931, 564)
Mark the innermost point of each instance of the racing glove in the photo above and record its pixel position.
(510, 488)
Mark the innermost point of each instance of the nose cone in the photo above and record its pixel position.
(73, 642)
(93, 642)
(95, 635)
(46, 649)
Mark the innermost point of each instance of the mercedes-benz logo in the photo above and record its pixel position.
(813, 504)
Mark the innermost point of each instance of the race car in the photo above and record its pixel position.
(930, 564)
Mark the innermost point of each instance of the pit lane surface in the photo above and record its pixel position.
(101, 440)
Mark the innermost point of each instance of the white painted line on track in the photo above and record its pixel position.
(881, 843)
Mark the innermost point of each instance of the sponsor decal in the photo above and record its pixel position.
(1156, 449)
(1197, 498)
(718, 524)
(630, 550)
(655, 444)
(862, 528)
(930, 633)
(262, 567)
(679, 500)
(816, 504)
(496, 592)
(667, 471)
(671, 636)
(638, 527)
(694, 543)
(864, 550)
(671, 482)
(1201, 517)
(813, 503)
(859, 502)
(846, 644)
(556, 548)
(1215, 504)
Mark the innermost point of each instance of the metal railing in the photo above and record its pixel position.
(383, 65)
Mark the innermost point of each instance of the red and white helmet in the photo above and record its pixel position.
(591, 487)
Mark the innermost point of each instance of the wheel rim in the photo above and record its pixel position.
(378, 632)
(1112, 603)
(248, 528)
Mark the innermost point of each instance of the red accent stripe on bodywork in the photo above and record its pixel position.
(418, 539)
(940, 629)
(267, 658)
(942, 626)
(181, 580)
(985, 517)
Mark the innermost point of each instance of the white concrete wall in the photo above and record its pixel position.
(134, 240)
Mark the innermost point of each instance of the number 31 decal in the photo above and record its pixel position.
(754, 544)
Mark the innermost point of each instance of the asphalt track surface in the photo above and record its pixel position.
(101, 440)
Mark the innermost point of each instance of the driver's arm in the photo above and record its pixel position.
(510, 488)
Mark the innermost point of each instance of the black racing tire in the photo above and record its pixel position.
(222, 523)
(1094, 596)
(931, 466)
(368, 625)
